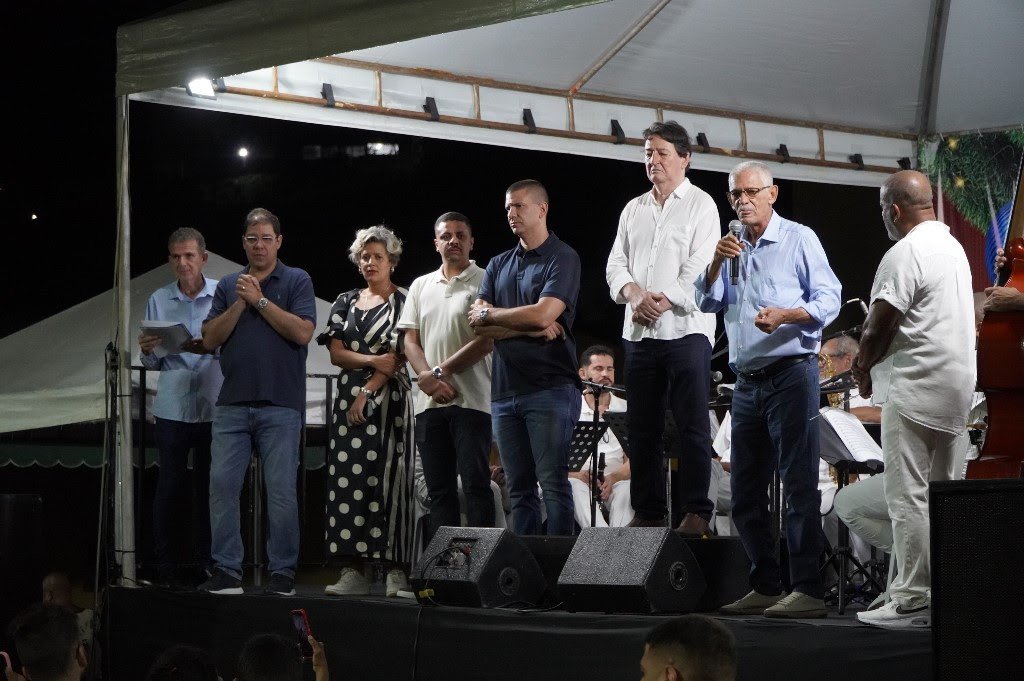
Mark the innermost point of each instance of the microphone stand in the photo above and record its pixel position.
(596, 389)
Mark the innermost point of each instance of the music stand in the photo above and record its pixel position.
(585, 438)
(835, 453)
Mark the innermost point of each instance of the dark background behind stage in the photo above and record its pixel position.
(58, 163)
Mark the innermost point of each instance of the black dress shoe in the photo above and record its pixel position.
(644, 521)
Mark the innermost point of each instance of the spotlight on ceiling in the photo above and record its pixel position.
(201, 87)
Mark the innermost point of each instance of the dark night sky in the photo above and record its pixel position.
(59, 160)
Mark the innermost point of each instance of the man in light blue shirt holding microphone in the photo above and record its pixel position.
(778, 298)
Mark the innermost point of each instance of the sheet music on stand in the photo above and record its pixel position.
(670, 438)
(584, 438)
(843, 438)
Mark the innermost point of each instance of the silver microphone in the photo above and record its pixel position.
(736, 229)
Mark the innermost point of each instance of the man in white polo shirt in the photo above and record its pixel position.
(453, 371)
(917, 361)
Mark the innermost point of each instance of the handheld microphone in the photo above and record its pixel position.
(863, 305)
(736, 229)
(716, 376)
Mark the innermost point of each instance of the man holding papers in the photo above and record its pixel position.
(190, 381)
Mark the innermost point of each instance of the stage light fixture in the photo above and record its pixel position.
(618, 132)
(702, 140)
(430, 107)
(857, 160)
(531, 125)
(327, 92)
(783, 151)
(201, 87)
(34, 216)
(904, 163)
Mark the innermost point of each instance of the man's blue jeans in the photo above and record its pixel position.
(273, 432)
(772, 428)
(533, 432)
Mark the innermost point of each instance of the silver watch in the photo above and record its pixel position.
(437, 372)
(482, 313)
(262, 303)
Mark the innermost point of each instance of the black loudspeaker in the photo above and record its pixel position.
(977, 560)
(631, 569)
(726, 570)
(478, 567)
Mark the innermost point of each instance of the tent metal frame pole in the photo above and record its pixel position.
(932, 71)
(449, 77)
(124, 483)
(617, 46)
(550, 132)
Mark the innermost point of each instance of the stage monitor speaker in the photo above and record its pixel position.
(977, 560)
(478, 567)
(726, 569)
(631, 569)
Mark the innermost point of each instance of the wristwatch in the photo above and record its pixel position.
(482, 313)
(437, 372)
(366, 391)
(262, 303)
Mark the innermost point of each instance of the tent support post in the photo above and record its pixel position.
(124, 482)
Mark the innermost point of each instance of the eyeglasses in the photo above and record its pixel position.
(252, 240)
(735, 194)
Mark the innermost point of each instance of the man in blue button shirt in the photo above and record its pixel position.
(527, 303)
(784, 295)
(262, 319)
(187, 390)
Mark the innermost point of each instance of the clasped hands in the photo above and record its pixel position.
(648, 306)
(604, 486)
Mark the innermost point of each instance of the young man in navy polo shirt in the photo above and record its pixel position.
(527, 304)
(262, 319)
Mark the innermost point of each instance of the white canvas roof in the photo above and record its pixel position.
(53, 370)
(827, 78)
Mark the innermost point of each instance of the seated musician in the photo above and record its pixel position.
(597, 365)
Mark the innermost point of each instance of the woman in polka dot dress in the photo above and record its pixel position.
(370, 482)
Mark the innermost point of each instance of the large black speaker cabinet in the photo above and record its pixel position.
(478, 567)
(977, 584)
(726, 570)
(631, 569)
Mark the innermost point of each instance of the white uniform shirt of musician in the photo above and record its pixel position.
(620, 511)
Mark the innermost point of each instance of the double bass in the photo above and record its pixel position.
(1001, 365)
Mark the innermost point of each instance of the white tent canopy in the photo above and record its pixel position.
(827, 79)
(53, 370)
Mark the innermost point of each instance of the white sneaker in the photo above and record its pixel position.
(892, 615)
(350, 583)
(396, 582)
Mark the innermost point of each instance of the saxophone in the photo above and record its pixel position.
(827, 370)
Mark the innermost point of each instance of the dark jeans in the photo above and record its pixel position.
(669, 375)
(174, 440)
(534, 431)
(453, 441)
(772, 429)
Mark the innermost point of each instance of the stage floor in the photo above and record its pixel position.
(379, 639)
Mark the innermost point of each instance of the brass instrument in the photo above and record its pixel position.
(826, 371)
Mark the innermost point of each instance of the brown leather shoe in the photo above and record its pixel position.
(694, 526)
(640, 521)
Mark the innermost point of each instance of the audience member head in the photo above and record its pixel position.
(184, 663)
(47, 640)
(690, 647)
(269, 657)
(57, 589)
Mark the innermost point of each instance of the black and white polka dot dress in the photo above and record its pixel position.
(370, 481)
